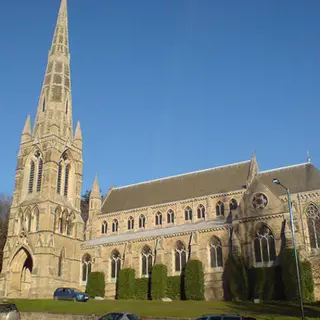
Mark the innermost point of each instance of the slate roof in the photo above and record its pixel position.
(185, 186)
(153, 233)
(298, 178)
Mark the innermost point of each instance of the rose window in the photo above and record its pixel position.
(260, 201)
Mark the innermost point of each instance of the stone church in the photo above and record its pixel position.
(169, 220)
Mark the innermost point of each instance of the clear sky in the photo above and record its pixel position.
(166, 87)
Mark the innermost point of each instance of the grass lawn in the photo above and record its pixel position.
(187, 309)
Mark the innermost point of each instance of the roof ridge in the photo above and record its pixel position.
(181, 175)
(285, 167)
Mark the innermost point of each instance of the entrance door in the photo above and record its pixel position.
(21, 269)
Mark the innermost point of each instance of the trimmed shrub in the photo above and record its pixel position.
(259, 283)
(289, 276)
(194, 280)
(307, 281)
(269, 281)
(96, 284)
(159, 281)
(174, 287)
(142, 287)
(279, 290)
(235, 279)
(126, 284)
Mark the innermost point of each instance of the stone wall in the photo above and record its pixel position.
(58, 316)
(55, 316)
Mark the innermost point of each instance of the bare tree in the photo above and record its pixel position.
(5, 203)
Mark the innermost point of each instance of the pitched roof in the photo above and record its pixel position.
(185, 186)
(298, 178)
(153, 233)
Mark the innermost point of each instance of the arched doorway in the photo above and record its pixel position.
(20, 273)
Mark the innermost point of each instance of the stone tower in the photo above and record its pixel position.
(45, 225)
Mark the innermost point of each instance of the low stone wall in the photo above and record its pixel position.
(59, 316)
(55, 316)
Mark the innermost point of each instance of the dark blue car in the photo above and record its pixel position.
(70, 294)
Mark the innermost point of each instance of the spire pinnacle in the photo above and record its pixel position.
(55, 99)
(78, 133)
(26, 132)
(254, 168)
(95, 191)
(60, 41)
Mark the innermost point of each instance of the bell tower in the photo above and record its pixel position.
(45, 224)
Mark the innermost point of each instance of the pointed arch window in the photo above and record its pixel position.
(115, 225)
(115, 264)
(201, 211)
(130, 223)
(28, 220)
(233, 204)
(59, 178)
(67, 106)
(146, 261)
(220, 209)
(69, 225)
(66, 180)
(180, 256)
(170, 216)
(313, 219)
(36, 219)
(188, 213)
(60, 263)
(104, 227)
(44, 104)
(142, 221)
(56, 222)
(215, 253)
(86, 267)
(31, 177)
(264, 245)
(39, 180)
(158, 218)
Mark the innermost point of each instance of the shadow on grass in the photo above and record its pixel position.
(277, 308)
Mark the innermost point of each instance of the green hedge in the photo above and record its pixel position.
(262, 282)
(126, 284)
(96, 284)
(235, 279)
(159, 281)
(174, 287)
(307, 281)
(194, 280)
(142, 289)
(289, 277)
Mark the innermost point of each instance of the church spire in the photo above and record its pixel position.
(26, 133)
(95, 191)
(54, 115)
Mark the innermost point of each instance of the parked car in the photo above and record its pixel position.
(119, 316)
(9, 311)
(70, 294)
(224, 317)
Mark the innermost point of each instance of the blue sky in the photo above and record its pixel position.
(166, 87)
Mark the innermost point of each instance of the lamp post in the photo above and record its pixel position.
(277, 181)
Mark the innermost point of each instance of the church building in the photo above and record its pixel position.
(170, 220)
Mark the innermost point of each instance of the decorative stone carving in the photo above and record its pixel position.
(51, 241)
(39, 242)
(22, 239)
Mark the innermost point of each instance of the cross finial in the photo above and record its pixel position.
(308, 157)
